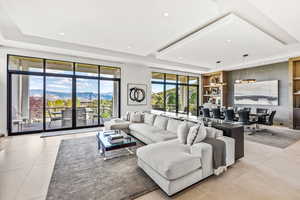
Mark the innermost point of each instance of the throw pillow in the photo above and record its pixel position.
(136, 117)
(192, 134)
(149, 118)
(201, 134)
(160, 122)
(126, 117)
(182, 132)
(173, 125)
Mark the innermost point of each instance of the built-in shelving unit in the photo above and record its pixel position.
(294, 93)
(214, 87)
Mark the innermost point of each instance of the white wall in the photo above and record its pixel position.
(130, 73)
(138, 74)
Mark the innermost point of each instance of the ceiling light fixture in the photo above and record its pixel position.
(61, 33)
(128, 47)
(180, 58)
(166, 14)
(228, 41)
(248, 80)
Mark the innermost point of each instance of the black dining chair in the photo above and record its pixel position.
(229, 115)
(261, 110)
(244, 119)
(247, 109)
(270, 119)
(261, 115)
(200, 110)
(216, 113)
(206, 112)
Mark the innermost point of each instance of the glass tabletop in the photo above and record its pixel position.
(103, 137)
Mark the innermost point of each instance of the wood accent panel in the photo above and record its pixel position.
(294, 93)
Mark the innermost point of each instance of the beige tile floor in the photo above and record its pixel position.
(265, 173)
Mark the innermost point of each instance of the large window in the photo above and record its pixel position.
(54, 95)
(175, 93)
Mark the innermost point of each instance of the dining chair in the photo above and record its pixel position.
(206, 112)
(270, 119)
(244, 119)
(216, 113)
(229, 115)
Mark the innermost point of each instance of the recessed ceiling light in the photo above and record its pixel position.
(180, 58)
(128, 47)
(228, 41)
(61, 33)
(166, 14)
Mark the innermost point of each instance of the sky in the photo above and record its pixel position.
(61, 84)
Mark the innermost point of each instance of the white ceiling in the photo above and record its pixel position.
(135, 26)
(226, 40)
(194, 34)
(285, 13)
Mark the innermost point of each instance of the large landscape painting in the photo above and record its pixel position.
(259, 93)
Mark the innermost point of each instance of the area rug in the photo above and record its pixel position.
(69, 132)
(81, 174)
(280, 138)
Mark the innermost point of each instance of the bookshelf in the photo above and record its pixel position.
(294, 93)
(214, 86)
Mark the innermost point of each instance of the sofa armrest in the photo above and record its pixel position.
(199, 149)
(230, 149)
(203, 151)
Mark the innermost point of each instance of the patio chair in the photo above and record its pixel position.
(81, 117)
(52, 117)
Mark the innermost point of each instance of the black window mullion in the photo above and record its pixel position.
(44, 95)
(9, 109)
(177, 105)
(99, 114)
(198, 98)
(74, 98)
(188, 96)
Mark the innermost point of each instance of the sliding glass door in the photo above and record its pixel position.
(59, 102)
(87, 102)
(26, 110)
(48, 95)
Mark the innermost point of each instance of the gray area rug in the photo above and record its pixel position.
(69, 132)
(81, 174)
(280, 138)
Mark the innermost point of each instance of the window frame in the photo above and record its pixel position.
(177, 84)
(45, 74)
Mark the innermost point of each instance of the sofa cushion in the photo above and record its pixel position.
(170, 159)
(160, 136)
(182, 132)
(160, 122)
(143, 128)
(173, 125)
(149, 118)
(136, 117)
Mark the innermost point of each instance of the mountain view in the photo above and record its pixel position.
(65, 95)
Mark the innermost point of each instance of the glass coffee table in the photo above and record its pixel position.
(104, 145)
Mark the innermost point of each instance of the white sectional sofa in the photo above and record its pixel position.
(172, 165)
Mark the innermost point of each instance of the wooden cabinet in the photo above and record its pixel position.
(214, 87)
(294, 93)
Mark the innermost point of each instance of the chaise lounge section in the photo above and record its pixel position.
(172, 165)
